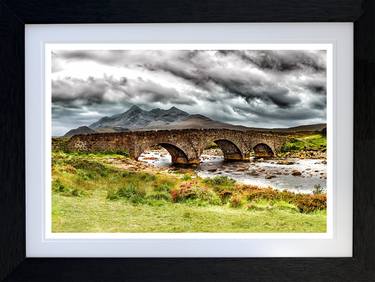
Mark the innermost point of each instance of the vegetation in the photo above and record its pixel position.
(212, 145)
(91, 194)
(59, 143)
(318, 189)
(315, 142)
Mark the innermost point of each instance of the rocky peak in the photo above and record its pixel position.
(133, 110)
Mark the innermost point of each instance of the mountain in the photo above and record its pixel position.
(136, 118)
(79, 130)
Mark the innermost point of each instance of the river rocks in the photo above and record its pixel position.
(241, 169)
(296, 173)
(286, 172)
(150, 158)
(285, 162)
(211, 169)
(213, 152)
(270, 176)
(253, 172)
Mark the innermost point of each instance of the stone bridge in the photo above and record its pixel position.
(184, 145)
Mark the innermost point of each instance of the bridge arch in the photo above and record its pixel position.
(263, 150)
(230, 150)
(178, 155)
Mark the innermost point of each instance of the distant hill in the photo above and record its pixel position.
(198, 121)
(310, 127)
(138, 119)
(79, 130)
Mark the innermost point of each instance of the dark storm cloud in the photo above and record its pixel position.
(239, 83)
(94, 91)
(256, 88)
(281, 60)
(105, 57)
(317, 88)
(90, 91)
(253, 89)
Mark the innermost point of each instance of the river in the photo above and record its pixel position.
(296, 175)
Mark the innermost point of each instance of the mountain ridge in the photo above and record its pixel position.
(137, 119)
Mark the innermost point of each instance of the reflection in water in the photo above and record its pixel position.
(297, 175)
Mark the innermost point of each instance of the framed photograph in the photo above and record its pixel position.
(142, 145)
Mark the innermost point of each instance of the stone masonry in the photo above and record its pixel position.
(184, 145)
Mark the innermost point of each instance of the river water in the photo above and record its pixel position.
(296, 175)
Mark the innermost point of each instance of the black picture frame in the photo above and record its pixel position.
(14, 266)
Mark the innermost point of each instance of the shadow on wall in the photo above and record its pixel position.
(263, 151)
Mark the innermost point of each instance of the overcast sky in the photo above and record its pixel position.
(251, 88)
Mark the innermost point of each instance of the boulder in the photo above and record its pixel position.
(253, 172)
(212, 169)
(241, 169)
(296, 173)
(270, 176)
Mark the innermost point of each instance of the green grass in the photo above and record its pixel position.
(316, 142)
(98, 214)
(92, 195)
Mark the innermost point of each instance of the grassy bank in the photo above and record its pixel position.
(90, 194)
(305, 146)
(315, 142)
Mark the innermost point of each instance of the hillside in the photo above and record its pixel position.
(79, 130)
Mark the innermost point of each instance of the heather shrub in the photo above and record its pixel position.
(311, 203)
(225, 195)
(305, 203)
(236, 201)
(191, 192)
